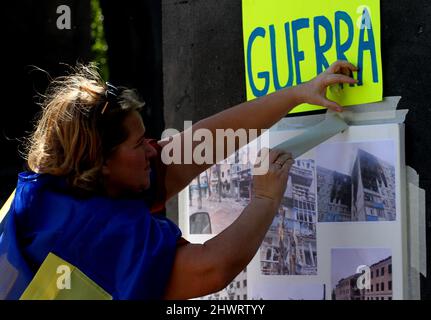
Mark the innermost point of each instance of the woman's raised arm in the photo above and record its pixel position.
(261, 113)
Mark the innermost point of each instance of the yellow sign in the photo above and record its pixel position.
(288, 42)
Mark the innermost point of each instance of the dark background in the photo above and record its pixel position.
(186, 60)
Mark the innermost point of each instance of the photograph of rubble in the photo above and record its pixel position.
(356, 181)
(218, 195)
(361, 274)
(289, 247)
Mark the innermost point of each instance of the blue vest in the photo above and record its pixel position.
(117, 243)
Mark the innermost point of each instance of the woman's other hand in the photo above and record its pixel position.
(272, 185)
(314, 91)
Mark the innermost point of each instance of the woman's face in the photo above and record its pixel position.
(128, 169)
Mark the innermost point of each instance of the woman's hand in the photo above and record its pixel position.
(271, 186)
(200, 269)
(314, 91)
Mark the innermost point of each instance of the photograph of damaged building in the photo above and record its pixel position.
(356, 182)
(222, 192)
(349, 284)
(289, 247)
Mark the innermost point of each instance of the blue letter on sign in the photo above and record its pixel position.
(277, 84)
(258, 32)
(342, 48)
(299, 55)
(367, 45)
(321, 49)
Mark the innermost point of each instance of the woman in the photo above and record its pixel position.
(95, 182)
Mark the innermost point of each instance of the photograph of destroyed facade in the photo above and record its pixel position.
(345, 275)
(221, 192)
(354, 183)
(236, 290)
(289, 247)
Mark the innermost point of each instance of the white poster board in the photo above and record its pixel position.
(341, 224)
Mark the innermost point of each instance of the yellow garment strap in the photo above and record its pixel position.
(6, 206)
(57, 279)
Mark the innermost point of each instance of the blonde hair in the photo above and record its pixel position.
(79, 127)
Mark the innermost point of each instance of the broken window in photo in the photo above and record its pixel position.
(356, 181)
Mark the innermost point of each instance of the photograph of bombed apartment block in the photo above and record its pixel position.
(361, 274)
(356, 181)
(289, 247)
(289, 291)
(236, 290)
(218, 195)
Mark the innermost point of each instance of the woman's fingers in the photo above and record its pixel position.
(339, 72)
(331, 105)
(272, 184)
(279, 163)
(274, 159)
(282, 158)
(338, 78)
(274, 154)
(286, 167)
(337, 66)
